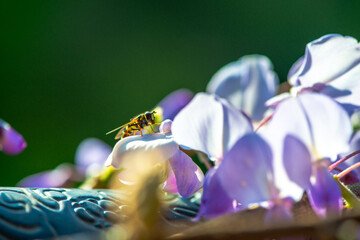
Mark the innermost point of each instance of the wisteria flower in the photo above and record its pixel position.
(247, 84)
(11, 142)
(135, 153)
(331, 65)
(305, 133)
(211, 125)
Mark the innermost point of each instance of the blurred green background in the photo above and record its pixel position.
(76, 69)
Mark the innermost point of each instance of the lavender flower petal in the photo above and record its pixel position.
(246, 171)
(155, 146)
(293, 72)
(215, 202)
(331, 66)
(247, 84)
(297, 161)
(324, 194)
(174, 102)
(209, 125)
(91, 152)
(189, 176)
(316, 120)
(11, 142)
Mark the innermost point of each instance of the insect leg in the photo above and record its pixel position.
(152, 128)
(140, 129)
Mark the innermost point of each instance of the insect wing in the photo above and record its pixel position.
(120, 133)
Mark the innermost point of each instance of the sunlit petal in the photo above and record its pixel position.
(209, 125)
(157, 147)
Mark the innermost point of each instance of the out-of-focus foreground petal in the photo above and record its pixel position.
(209, 125)
(246, 171)
(331, 65)
(91, 152)
(247, 84)
(173, 103)
(324, 193)
(215, 202)
(59, 177)
(156, 146)
(11, 142)
(316, 120)
(189, 177)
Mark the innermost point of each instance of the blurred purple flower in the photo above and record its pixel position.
(134, 153)
(11, 142)
(247, 84)
(89, 159)
(304, 132)
(61, 176)
(331, 65)
(91, 155)
(173, 103)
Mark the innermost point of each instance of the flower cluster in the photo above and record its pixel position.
(264, 149)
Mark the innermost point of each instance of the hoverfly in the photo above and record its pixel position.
(136, 124)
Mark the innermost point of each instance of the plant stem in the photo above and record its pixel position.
(334, 165)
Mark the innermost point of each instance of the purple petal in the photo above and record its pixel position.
(246, 171)
(294, 72)
(317, 121)
(11, 142)
(324, 194)
(215, 202)
(127, 151)
(170, 183)
(247, 84)
(59, 177)
(297, 161)
(209, 125)
(332, 60)
(91, 152)
(174, 102)
(189, 176)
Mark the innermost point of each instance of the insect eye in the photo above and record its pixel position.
(148, 116)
